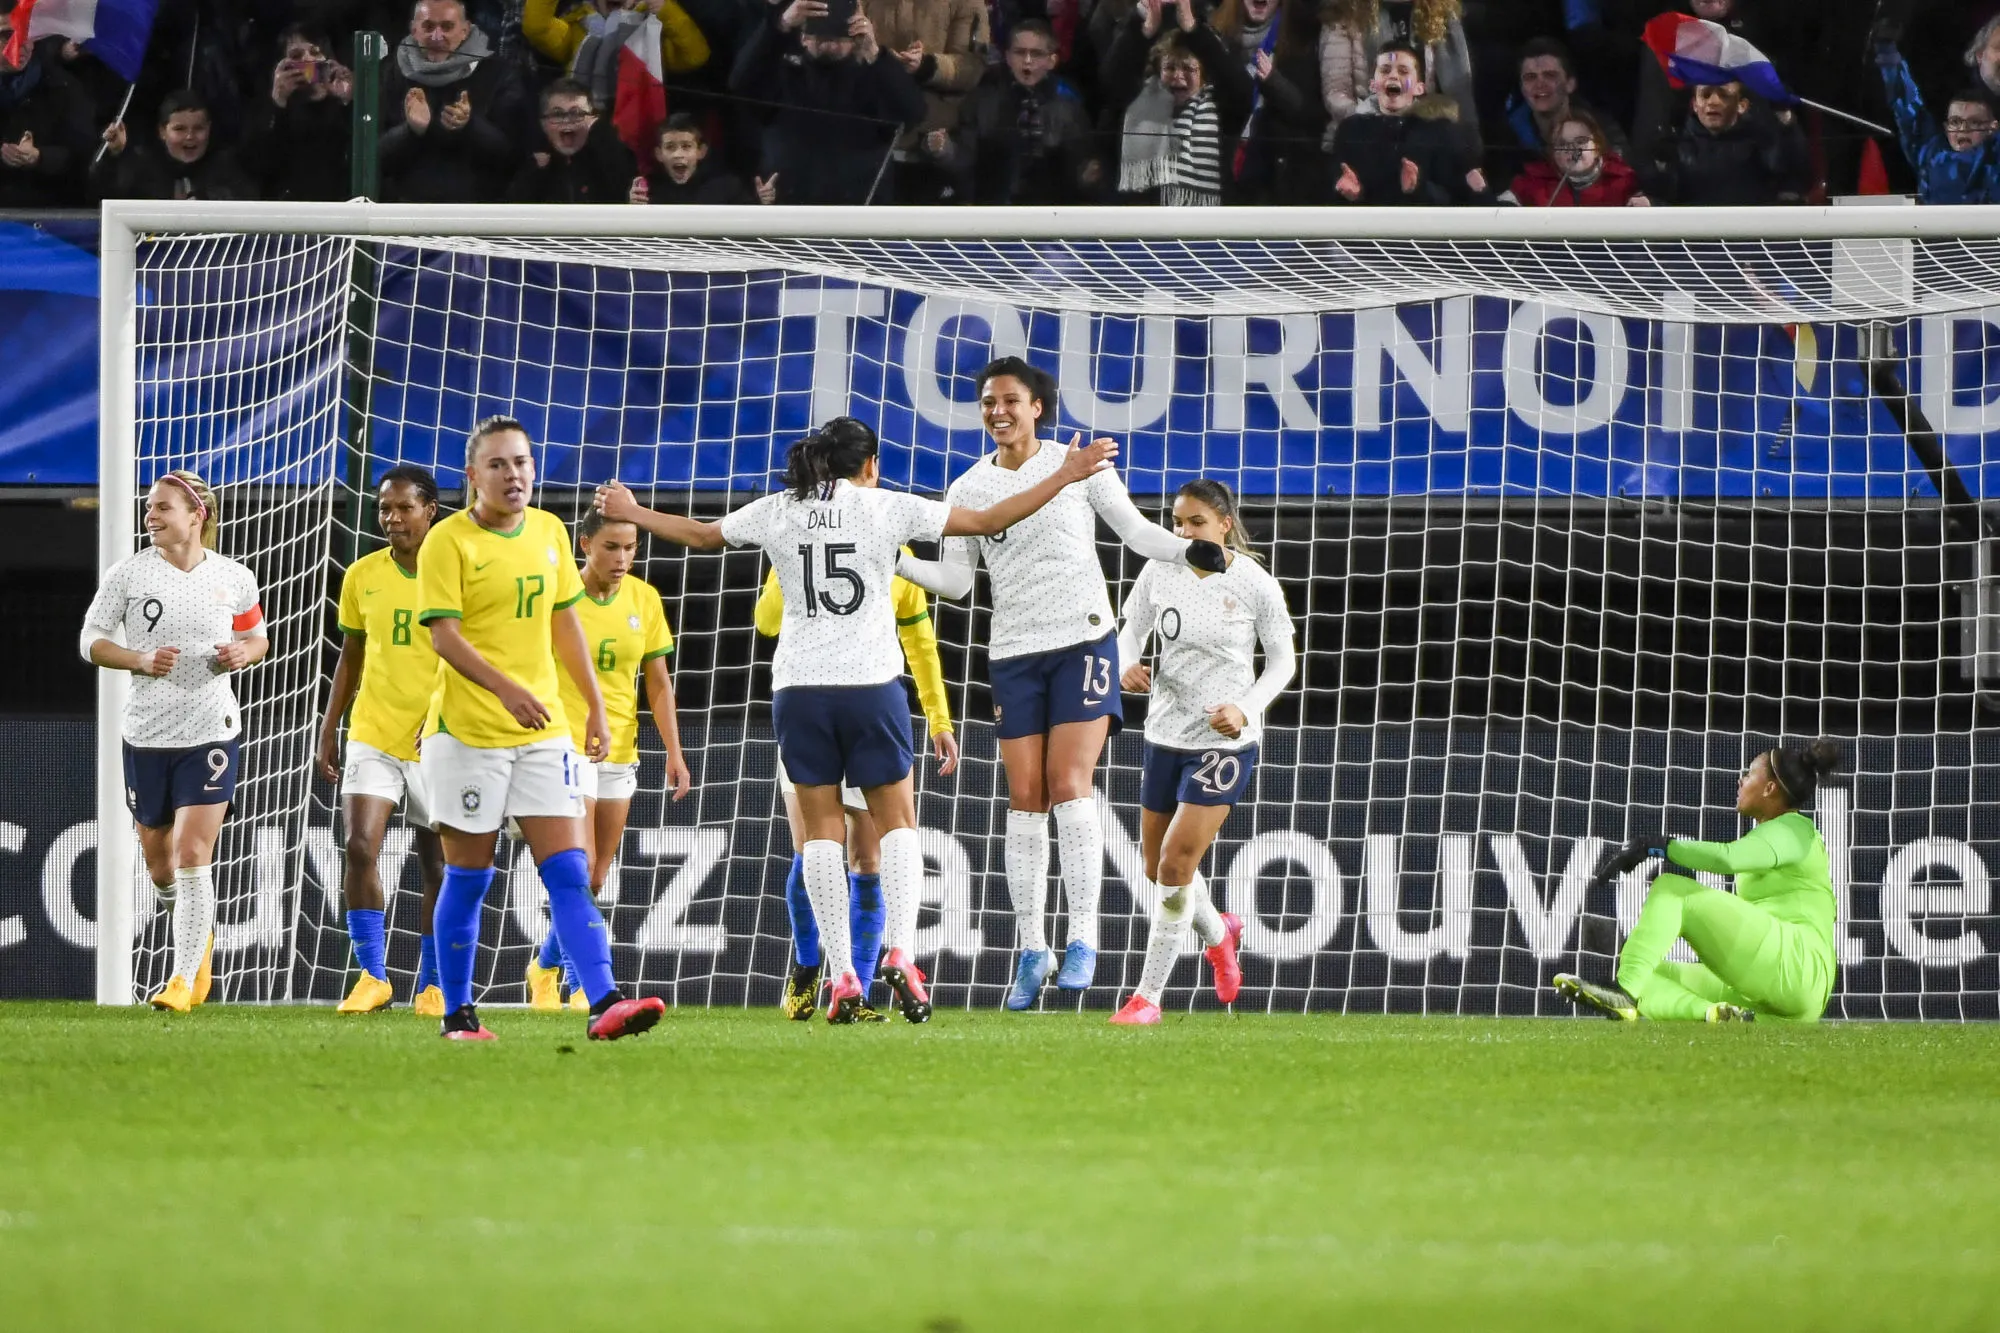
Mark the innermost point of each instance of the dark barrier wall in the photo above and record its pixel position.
(1393, 869)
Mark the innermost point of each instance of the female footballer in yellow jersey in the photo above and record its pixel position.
(387, 675)
(864, 846)
(626, 629)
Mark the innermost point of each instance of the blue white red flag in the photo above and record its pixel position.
(115, 31)
(1693, 50)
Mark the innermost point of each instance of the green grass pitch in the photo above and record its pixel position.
(282, 1169)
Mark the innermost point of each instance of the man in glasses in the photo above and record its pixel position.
(579, 160)
(1023, 136)
(1961, 164)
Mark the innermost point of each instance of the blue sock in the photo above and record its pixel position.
(569, 973)
(457, 929)
(365, 929)
(551, 953)
(427, 961)
(805, 930)
(865, 918)
(585, 938)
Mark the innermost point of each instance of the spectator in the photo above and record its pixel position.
(297, 143)
(942, 43)
(452, 114)
(1280, 156)
(580, 160)
(585, 39)
(1184, 100)
(1355, 30)
(1731, 153)
(841, 102)
(682, 174)
(186, 165)
(44, 130)
(1396, 150)
(1982, 55)
(1023, 135)
(1960, 165)
(1547, 97)
(1579, 170)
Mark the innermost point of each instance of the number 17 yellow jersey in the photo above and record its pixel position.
(503, 588)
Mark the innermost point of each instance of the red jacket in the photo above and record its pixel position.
(1542, 186)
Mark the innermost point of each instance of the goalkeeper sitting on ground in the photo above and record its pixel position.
(1765, 949)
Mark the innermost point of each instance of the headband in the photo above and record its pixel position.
(199, 506)
(1776, 760)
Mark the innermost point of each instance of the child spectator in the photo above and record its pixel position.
(1579, 170)
(1729, 152)
(1185, 99)
(186, 165)
(580, 160)
(1961, 165)
(1390, 152)
(1023, 136)
(1354, 31)
(682, 174)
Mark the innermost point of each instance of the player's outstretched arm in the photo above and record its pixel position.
(1081, 463)
(573, 651)
(448, 638)
(949, 577)
(617, 503)
(667, 718)
(346, 684)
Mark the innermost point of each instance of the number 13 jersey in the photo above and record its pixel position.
(835, 557)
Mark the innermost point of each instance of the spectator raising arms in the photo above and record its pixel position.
(1390, 153)
(1960, 165)
(1279, 156)
(585, 39)
(839, 99)
(296, 144)
(1580, 170)
(1355, 31)
(1023, 135)
(580, 160)
(682, 174)
(44, 126)
(1729, 152)
(1185, 99)
(185, 166)
(453, 115)
(943, 44)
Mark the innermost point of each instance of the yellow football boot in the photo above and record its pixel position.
(368, 995)
(544, 987)
(205, 978)
(579, 1001)
(176, 995)
(429, 1003)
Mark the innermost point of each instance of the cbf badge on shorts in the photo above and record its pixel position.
(468, 798)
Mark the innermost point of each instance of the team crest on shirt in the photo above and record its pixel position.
(551, 553)
(633, 621)
(468, 797)
(1228, 602)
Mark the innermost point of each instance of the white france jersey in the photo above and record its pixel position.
(835, 554)
(1047, 583)
(144, 602)
(1208, 630)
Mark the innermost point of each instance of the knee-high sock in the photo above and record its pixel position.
(1163, 946)
(427, 959)
(902, 886)
(1080, 847)
(550, 954)
(1028, 875)
(805, 930)
(1201, 911)
(194, 917)
(365, 932)
(866, 923)
(457, 929)
(586, 941)
(826, 886)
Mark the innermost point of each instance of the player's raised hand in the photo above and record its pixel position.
(1137, 679)
(616, 502)
(232, 656)
(1086, 459)
(945, 746)
(156, 661)
(525, 708)
(679, 780)
(1227, 719)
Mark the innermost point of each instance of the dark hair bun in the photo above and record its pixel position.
(1821, 759)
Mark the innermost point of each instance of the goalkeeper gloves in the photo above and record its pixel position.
(1617, 861)
(1206, 556)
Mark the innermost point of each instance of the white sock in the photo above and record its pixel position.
(902, 887)
(1163, 946)
(826, 889)
(1207, 921)
(1080, 847)
(1028, 875)
(194, 918)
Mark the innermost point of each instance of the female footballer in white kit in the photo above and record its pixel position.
(837, 694)
(1202, 731)
(1051, 658)
(187, 618)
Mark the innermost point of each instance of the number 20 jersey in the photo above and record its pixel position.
(835, 557)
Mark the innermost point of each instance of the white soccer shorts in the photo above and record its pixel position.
(606, 781)
(475, 790)
(850, 797)
(372, 772)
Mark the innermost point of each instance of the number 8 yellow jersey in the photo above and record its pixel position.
(502, 588)
(378, 604)
(624, 633)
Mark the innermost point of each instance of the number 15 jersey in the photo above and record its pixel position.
(503, 588)
(835, 557)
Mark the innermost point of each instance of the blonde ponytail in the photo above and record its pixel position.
(203, 496)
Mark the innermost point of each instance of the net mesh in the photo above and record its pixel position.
(1570, 530)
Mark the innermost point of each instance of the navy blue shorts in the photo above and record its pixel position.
(859, 734)
(159, 782)
(1194, 777)
(1042, 690)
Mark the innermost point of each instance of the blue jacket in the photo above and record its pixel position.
(1943, 176)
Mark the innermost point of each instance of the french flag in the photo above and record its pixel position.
(642, 92)
(1693, 50)
(115, 31)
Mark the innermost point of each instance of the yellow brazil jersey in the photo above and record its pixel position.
(378, 603)
(913, 627)
(624, 632)
(502, 588)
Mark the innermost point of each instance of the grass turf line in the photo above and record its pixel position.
(278, 1169)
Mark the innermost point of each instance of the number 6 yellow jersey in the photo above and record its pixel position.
(378, 603)
(624, 632)
(502, 588)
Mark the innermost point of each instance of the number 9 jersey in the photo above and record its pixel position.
(835, 556)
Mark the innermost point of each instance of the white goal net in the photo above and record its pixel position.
(1573, 523)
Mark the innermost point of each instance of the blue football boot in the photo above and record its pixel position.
(1029, 974)
(1079, 967)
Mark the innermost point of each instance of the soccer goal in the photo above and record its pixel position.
(1577, 511)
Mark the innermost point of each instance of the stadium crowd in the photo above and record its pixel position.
(1179, 102)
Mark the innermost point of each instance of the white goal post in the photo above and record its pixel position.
(1466, 430)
